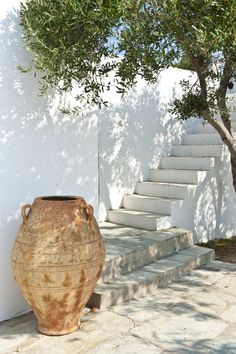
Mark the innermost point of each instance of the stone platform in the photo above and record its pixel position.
(138, 262)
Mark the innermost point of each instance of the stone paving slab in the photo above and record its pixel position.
(229, 315)
(181, 326)
(194, 315)
(126, 345)
(220, 266)
(18, 331)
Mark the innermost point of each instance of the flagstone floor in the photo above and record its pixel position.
(196, 314)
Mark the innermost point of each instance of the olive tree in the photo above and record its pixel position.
(82, 41)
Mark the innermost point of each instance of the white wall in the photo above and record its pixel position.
(41, 151)
(134, 133)
(209, 210)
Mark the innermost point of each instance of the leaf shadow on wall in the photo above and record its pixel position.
(134, 134)
(42, 152)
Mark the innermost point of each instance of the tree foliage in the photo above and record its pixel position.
(82, 41)
(69, 40)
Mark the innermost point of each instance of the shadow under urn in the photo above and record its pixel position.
(57, 260)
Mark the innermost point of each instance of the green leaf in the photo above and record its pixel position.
(24, 69)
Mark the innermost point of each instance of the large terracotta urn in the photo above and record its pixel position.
(57, 260)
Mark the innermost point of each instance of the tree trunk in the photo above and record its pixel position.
(233, 168)
(223, 127)
(227, 138)
(230, 142)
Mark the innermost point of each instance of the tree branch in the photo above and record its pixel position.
(221, 93)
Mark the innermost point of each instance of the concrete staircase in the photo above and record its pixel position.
(143, 249)
(155, 201)
(138, 262)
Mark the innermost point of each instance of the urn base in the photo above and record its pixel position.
(55, 332)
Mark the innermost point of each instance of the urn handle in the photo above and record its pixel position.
(87, 208)
(23, 213)
(89, 212)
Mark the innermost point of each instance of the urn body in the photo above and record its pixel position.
(57, 260)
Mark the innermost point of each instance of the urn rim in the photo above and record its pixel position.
(57, 199)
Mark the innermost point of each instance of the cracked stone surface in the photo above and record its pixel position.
(196, 314)
(126, 344)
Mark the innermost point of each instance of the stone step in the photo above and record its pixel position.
(231, 102)
(231, 96)
(147, 280)
(208, 129)
(187, 163)
(140, 219)
(202, 139)
(156, 205)
(232, 112)
(168, 190)
(197, 150)
(176, 176)
(128, 248)
(233, 116)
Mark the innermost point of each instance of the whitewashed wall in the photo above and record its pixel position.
(209, 210)
(134, 133)
(41, 151)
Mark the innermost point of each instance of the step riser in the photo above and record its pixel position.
(197, 150)
(148, 284)
(150, 223)
(204, 129)
(187, 163)
(117, 266)
(176, 176)
(231, 104)
(202, 139)
(233, 116)
(207, 129)
(150, 205)
(161, 190)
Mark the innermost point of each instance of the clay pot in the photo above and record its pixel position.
(57, 260)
